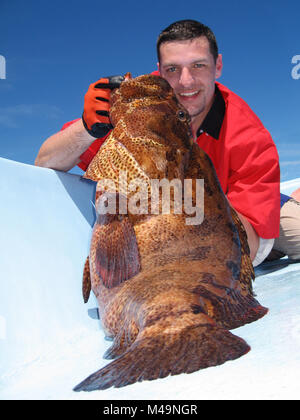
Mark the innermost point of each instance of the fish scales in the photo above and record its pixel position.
(168, 292)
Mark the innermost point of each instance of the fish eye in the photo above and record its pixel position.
(181, 115)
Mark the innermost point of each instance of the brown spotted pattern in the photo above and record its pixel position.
(194, 281)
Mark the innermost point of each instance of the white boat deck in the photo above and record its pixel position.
(48, 343)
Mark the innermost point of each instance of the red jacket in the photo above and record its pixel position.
(246, 161)
(245, 158)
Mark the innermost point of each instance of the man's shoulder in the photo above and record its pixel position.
(237, 108)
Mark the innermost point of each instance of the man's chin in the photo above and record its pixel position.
(192, 109)
(195, 112)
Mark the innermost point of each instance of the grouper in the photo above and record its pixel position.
(170, 282)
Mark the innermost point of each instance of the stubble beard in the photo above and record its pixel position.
(195, 112)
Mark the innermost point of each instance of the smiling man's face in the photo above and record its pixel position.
(191, 70)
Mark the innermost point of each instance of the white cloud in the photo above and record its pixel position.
(290, 162)
(9, 114)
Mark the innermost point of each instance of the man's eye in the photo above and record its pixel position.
(171, 69)
(198, 65)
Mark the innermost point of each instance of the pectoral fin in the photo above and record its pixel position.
(116, 254)
(86, 281)
(246, 270)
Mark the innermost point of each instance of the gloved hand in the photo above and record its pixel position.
(95, 115)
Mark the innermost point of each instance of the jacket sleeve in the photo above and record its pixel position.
(254, 182)
(88, 155)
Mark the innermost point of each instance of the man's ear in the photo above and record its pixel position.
(219, 66)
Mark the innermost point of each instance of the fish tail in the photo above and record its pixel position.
(169, 352)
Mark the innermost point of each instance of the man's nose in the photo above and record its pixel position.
(186, 78)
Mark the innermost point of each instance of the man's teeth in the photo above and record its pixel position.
(189, 93)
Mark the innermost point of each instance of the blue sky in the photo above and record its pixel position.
(54, 50)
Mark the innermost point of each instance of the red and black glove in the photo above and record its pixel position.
(95, 115)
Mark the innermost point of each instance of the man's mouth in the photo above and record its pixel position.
(189, 94)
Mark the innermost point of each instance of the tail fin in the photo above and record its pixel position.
(150, 357)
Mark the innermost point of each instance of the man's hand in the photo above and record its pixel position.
(96, 106)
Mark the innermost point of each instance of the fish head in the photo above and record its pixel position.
(151, 113)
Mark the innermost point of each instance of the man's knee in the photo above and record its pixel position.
(288, 242)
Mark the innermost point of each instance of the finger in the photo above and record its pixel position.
(103, 117)
(111, 82)
(103, 106)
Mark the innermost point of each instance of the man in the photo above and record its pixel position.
(241, 149)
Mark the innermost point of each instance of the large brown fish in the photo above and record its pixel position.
(168, 291)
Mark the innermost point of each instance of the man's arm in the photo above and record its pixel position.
(253, 238)
(62, 150)
(254, 191)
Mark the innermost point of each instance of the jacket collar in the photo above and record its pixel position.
(213, 121)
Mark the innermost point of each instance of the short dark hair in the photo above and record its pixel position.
(183, 30)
